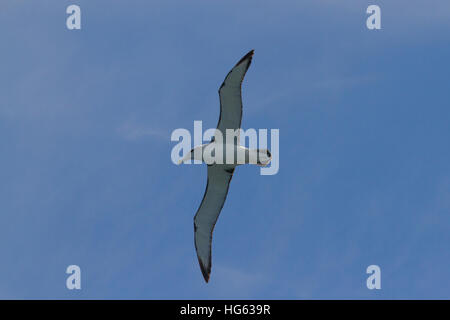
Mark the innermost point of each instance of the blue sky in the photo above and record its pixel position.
(86, 176)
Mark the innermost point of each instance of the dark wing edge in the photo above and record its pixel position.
(245, 59)
(248, 57)
(226, 175)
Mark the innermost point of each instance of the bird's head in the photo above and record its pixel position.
(195, 154)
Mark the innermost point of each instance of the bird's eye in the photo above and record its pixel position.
(268, 154)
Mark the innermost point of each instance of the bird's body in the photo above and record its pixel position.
(222, 157)
(229, 154)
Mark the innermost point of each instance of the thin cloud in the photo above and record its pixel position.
(132, 131)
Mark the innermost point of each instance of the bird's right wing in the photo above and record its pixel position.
(230, 96)
(216, 192)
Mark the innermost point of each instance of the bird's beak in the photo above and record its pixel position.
(186, 157)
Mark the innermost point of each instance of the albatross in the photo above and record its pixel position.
(220, 169)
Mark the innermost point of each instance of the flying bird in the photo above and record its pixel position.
(220, 171)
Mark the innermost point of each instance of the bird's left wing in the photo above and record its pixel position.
(216, 192)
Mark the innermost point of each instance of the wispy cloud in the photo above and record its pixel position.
(130, 130)
(232, 281)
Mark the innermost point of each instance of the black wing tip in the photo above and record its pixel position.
(206, 271)
(248, 56)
